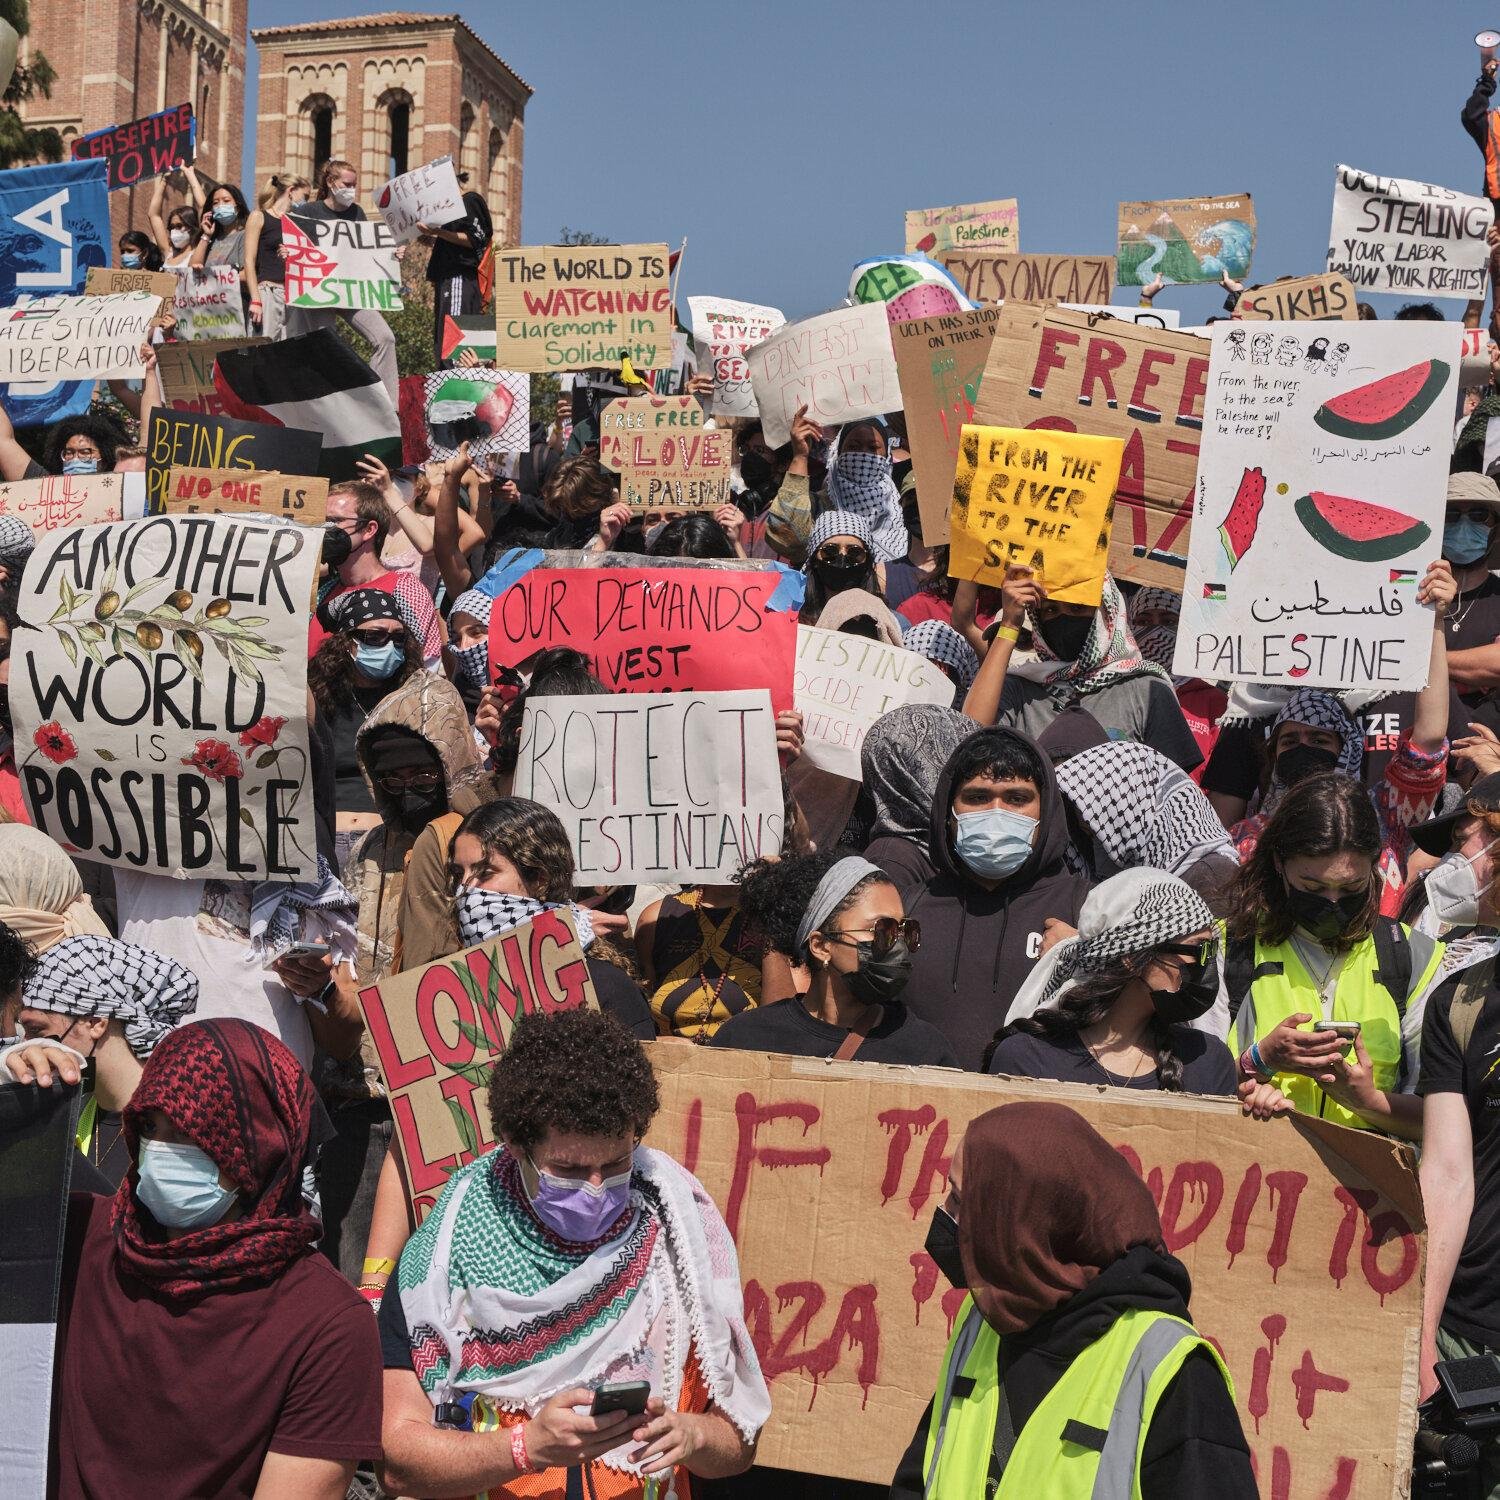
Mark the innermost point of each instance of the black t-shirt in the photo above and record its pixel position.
(447, 259)
(787, 1027)
(1207, 1067)
(621, 997)
(1472, 1310)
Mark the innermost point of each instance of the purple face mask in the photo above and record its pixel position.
(575, 1209)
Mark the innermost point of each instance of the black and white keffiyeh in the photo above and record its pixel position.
(483, 915)
(17, 542)
(1318, 710)
(97, 976)
(940, 642)
(279, 909)
(358, 606)
(834, 523)
(862, 483)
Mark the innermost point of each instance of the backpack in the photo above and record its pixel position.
(1392, 959)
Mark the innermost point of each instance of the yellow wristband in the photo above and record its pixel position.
(1010, 632)
(378, 1268)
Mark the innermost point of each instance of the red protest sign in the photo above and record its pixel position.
(653, 630)
(144, 148)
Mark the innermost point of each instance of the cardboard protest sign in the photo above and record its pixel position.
(1038, 500)
(723, 330)
(144, 148)
(58, 502)
(208, 304)
(488, 409)
(665, 457)
(1071, 372)
(235, 492)
(188, 440)
(158, 685)
(994, 225)
(839, 365)
(76, 338)
(1299, 299)
(843, 683)
(994, 276)
(347, 263)
(1150, 317)
(101, 281)
(656, 786)
(653, 630)
(1304, 1242)
(54, 225)
(1321, 490)
(437, 1031)
(428, 195)
(187, 373)
(560, 307)
(1393, 235)
(939, 363)
(1185, 239)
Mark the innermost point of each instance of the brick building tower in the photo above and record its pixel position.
(388, 92)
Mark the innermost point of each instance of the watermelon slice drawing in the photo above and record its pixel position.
(1237, 530)
(930, 299)
(1386, 406)
(1358, 530)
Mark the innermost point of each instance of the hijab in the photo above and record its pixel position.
(940, 642)
(902, 756)
(1035, 1227)
(1317, 710)
(41, 897)
(1109, 654)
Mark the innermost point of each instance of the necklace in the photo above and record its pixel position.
(1459, 611)
(1320, 981)
(1111, 1078)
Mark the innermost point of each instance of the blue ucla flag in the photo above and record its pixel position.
(54, 225)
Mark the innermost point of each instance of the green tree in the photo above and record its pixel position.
(19, 143)
(412, 325)
(582, 237)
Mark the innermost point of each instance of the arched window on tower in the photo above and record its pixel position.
(467, 155)
(399, 116)
(318, 112)
(494, 183)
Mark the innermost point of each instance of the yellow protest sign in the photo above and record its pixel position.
(1037, 499)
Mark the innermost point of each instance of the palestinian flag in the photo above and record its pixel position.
(472, 331)
(318, 383)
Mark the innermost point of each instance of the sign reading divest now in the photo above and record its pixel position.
(665, 457)
(160, 697)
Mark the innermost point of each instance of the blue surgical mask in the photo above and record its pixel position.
(380, 661)
(994, 843)
(80, 466)
(1465, 541)
(578, 1210)
(179, 1185)
(471, 664)
(225, 213)
(130, 261)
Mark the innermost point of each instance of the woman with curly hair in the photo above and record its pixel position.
(569, 1257)
(85, 444)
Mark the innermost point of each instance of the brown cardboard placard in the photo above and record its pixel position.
(187, 373)
(232, 492)
(940, 364)
(992, 225)
(58, 502)
(1185, 240)
(101, 280)
(665, 457)
(995, 276)
(1300, 299)
(1050, 367)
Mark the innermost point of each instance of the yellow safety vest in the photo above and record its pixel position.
(1085, 1438)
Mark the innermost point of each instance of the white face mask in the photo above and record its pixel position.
(1453, 890)
(178, 237)
(342, 196)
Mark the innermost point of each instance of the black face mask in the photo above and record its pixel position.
(835, 577)
(879, 980)
(942, 1245)
(1325, 919)
(418, 809)
(1297, 762)
(758, 472)
(336, 546)
(1066, 635)
(911, 518)
(1193, 997)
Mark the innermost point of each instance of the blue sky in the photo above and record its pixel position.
(786, 140)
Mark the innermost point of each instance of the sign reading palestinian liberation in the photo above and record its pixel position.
(347, 263)
(1185, 239)
(51, 339)
(1070, 372)
(653, 630)
(1393, 235)
(429, 195)
(665, 457)
(994, 225)
(1038, 500)
(839, 365)
(656, 786)
(940, 362)
(844, 683)
(1299, 299)
(101, 281)
(186, 440)
(158, 685)
(998, 276)
(490, 410)
(187, 373)
(438, 1030)
(59, 502)
(144, 148)
(207, 303)
(234, 492)
(723, 330)
(1321, 492)
(572, 307)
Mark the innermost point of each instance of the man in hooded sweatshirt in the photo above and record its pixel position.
(998, 836)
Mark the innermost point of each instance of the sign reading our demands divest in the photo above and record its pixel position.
(665, 457)
(158, 685)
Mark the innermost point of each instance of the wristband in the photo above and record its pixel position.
(518, 1454)
(1009, 632)
(1261, 1070)
(377, 1267)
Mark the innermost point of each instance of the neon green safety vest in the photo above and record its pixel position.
(1084, 1441)
(1283, 987)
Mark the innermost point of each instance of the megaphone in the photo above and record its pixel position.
(1488, 43)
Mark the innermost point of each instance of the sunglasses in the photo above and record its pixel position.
(379, 636)
(408, 781)
(851, 553)
(883, 933)
(1481, 513)
(1201, 954)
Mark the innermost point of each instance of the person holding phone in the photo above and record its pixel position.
(569, 1320)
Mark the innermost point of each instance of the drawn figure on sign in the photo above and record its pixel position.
(1260, 349)
(1336, 356)
(1317, 353)
(1287, 351)
(1237, 344)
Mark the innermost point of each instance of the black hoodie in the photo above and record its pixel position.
(979, 945)
(1195, 1445)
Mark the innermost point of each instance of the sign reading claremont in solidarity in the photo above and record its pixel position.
(570, 307)
(159, 689)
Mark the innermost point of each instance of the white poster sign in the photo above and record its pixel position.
(208, 304)
(1319, 505)
(843, 683)
(58, 501)
(1411, 238)
(429, 195)
(723, 330)
(158, 685)
(839, 365)
(656, 786)
(348, 263)
(50, 339)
